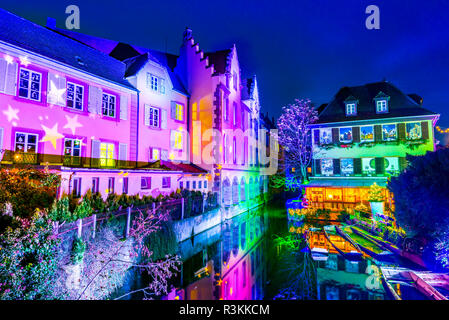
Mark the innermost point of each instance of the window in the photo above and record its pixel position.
(166, 182)
(125, 185)
(391, 165)
(108, 105)
(95, 185)
(77, 187)
(389, 132)
(145, 183)
(235, 80)
(347, 167)
(26, 142)
(413, 130)
(226, 109)
(72, 148)
(111, 185)
(367, 134)
(107, 154)
(351, 109)
(199, 184)
(326, 136)
(244, 274)
(234, 150)
(176, 140)
(75, 94)
(225, 148)
(205, 184)
(187, 185)
(194, 111)
(234, 115)
(368, 166)
(327, 167)
(155, 83)
(346, 135)
(30, 84)
(381, 106)
(179, 112)
(153, 115)
(155, 154)
(193, 184)
(181, 184)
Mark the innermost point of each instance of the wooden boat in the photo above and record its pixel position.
(363, 244)
(353, 255)
(428, 283)
(416, 259)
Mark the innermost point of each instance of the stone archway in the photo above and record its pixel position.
(226, 192)
(242, 189)
(235, 190)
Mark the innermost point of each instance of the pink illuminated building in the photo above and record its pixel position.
(112, 117)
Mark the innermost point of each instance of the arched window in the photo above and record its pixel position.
(225, 148)
(234, 150)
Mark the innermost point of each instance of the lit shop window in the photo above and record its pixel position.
(391, 165)
(347, 167)
(326, 136)
(389, 132)
(346, 135)
(368, 166)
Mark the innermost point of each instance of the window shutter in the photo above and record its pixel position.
(335, 135)
(3, 67)
(99, 100)
(147, 115)
(56, 83)
(173, 110)
(164, 155)
(163, 119)
(316, 136)
(356, 134)
(357, 166)
(317, 166)
(122, 154)
(336, 166)
(123, 107)
(92, 103)
(377, 133)
(401, 131)
(95, 154)
(425, 129)
(380, 164)
(11, 79)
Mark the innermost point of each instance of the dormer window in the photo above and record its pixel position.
(351, 106)
(351, 109)
(381, 101)
(381, 106)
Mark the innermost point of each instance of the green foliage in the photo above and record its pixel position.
(78, 249)
(421, 194)
(69, 209)
(112, 202)
(60, 210)
(27, 189)
(28, 260)
(375, 193)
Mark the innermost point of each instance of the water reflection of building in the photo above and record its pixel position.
(230, 268)
(339, 278)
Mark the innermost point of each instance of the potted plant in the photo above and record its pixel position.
(376, 200)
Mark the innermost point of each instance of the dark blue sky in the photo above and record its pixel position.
(307, 48)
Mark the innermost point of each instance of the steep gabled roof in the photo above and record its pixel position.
(399, 104)
(40, 40)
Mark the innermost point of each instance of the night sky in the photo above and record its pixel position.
(298, 49)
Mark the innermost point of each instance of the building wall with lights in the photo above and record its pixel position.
(363, 136)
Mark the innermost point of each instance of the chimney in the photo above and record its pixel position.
(51, 23)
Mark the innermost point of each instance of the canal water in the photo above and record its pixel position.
(264, 254)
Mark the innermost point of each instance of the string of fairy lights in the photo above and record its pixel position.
(444, 131)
